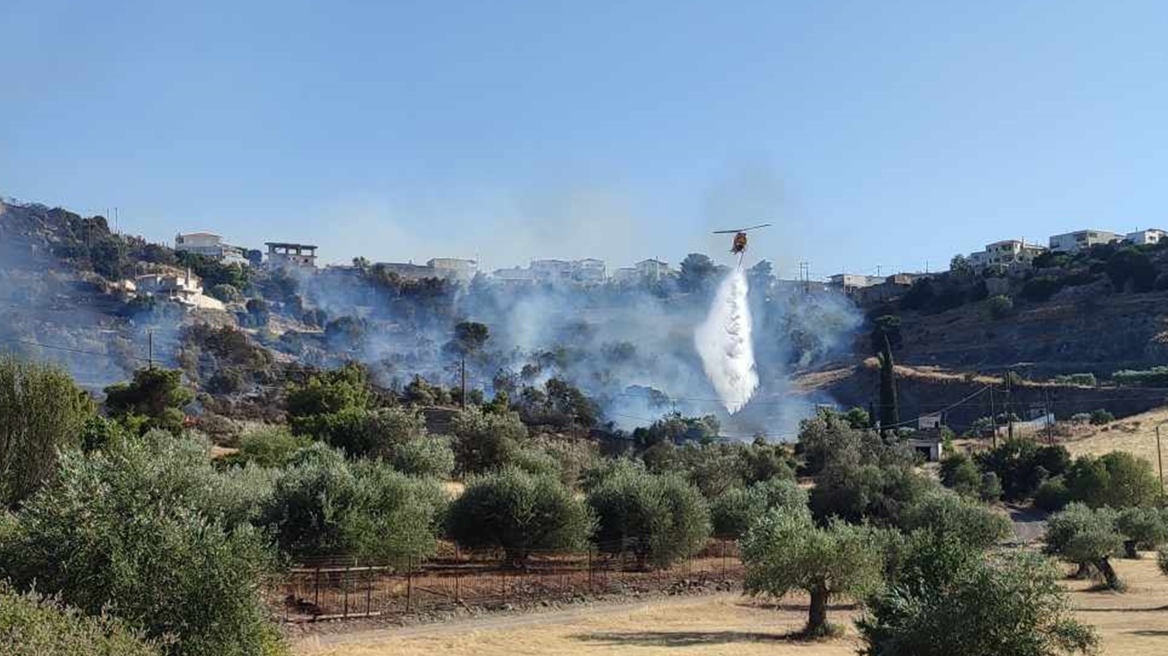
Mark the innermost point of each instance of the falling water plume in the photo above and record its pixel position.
(724, 343)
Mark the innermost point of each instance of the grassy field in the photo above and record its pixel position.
(1135, 434)
(1135, 622)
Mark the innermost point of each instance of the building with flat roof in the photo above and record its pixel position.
(283, 254)
(1073, 242)
(460, 270)
(1008, 253)
(1146, 237)
(209, 245)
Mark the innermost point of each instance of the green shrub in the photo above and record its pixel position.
(959, 473)
(32, 625)
(879, 494)
(968, 521)
(484, 442)
(1040, 288)
(785, 551)
(1154, 377)
(269, 446)
(1101, 417)
(127, 529)
(155, 395)
(42, 412)
(1000, 307)
(660, 518)
(323, 505)
(1021, 465)
(1052, 495)
(1085, 537)
(1142, 528)
(519, 512)
(1117, 479)
(733, 511)
(329, 392)
(971, 605)
(426, 456)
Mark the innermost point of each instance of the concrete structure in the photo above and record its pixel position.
(625, 276)
(928, 443)
(515, 276)
(460, 270)
(184, 288)
(1073, 242)
(210, 245)
(652, 269)
(1146, 237)
(551, 271)
(282, 254)
(415, 272)
(851, 282)
(925, 422)
(588, 271)
(1008, 253)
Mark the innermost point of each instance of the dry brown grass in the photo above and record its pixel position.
(1135, 622)
(1135, 434)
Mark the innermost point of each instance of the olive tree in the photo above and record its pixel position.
(485, 441)
(733, 511)
(117, 530)
(1086, 537)
(1142, 528)
(323, 505)
(968, 521)
(519, 512)
(34, 625)
(42, 412)
(659, 518)
(953, 600)
(786, 551)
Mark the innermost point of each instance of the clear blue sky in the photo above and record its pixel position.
(870, 132)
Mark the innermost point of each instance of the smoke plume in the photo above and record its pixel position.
(724, 343)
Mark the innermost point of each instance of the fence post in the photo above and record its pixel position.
(409, 582)
(589, 569)
(723, 559)
(345, 588)
(316, 591)
(369, 593)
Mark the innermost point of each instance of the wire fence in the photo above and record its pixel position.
(342, 588)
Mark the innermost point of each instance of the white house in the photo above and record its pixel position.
(1145, 237)
(551, 271)
(652, 269)
(184, 288)
(588, 270)
(1073, 242)
(850, 282)
(209, 244)
(460, 270)
(1008, 252)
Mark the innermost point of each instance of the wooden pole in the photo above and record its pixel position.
(463, 381)
(1159, 460)
(993, 417)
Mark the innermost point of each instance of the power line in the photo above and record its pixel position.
(70, 349)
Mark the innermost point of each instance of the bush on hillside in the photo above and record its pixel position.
(269, 446)
(1154, 377)
(484, 442)
(968, 521)
(1101, 417)
(1021, 465)
(1117, 479)
(42, 413)
(1000, 306)
(1142, 528)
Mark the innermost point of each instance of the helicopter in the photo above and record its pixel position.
(738, 246)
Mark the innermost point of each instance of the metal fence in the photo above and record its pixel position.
(340, 588)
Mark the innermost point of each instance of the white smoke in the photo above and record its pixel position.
(723, 341)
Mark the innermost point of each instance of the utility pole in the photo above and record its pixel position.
(993, 416)
(1009, 399)
(150, 348)
(1159, 459)
(463, 404)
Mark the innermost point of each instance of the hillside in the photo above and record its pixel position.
(1135, 434)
